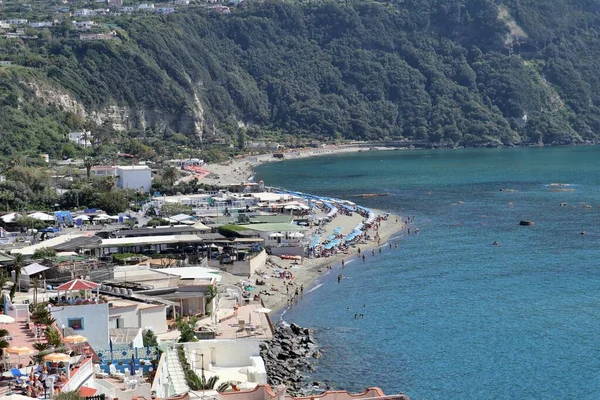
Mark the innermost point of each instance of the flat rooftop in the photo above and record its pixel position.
(254, 326)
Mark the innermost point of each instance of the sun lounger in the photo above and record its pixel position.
(98, 372)
(114, 373)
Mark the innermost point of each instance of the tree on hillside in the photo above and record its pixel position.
(169, 175)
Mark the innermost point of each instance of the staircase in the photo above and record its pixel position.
(176, 374)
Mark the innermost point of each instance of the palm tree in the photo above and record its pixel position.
(169, 176)
(88, 163)
(19, 263)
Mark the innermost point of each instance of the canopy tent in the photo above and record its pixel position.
(276, 235)
(102, 217)
(78, 284)
(42, 216)
(33, 269)
(10, 218)
(296, 235)
(82, 217)
(181, 217)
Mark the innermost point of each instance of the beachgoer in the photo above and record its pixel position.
(380, 250)
(495, 243)
(359, 250)
(395, 245)
(302, 288)
(363, 258)
(373, 252)
(340, 278)
(342, 263)
(390, 246)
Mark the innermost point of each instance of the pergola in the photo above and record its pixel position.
(79, 285)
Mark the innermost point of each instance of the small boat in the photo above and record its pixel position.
(526, 223)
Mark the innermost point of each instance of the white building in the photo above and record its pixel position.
(165, 10)
(16, 21)
(83, 25)
(43, 24)
(102, 171)
(132, 314)
(83, 12)
(146, 7)
(136, 177)
(89, 320)
(82, 138)
(127, 9)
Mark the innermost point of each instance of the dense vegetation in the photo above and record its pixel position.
(435, 71)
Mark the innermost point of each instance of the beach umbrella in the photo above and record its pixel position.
(296, 235)
(6, 319)
(276, 234)
(20, 351)
(132, 369)
(262, 310)
(57, 357)
(75, 339)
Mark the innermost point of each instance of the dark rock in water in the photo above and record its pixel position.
(296, 329)
(526, 223)
(317, 354)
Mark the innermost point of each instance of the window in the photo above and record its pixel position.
(75, 323)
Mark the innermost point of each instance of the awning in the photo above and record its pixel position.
(42, 216)
(276, 235)
(33, 269)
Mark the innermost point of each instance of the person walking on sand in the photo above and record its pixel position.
(359, 250)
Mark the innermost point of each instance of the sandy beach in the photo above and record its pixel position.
(304, 274)
(280, 293)
(240, 169)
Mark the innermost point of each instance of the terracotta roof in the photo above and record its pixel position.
(86, 391)
(78, 284)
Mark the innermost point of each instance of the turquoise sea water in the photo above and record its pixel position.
(449, 315)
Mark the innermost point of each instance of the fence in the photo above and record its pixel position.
(121, 354)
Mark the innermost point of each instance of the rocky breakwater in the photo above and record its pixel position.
(290, 353)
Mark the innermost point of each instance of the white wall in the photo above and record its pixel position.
(222, 353)
(95, 321)
(129, 315)
(134, 179)
(154, 318)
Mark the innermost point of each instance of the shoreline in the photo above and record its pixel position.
(241, 170)
(318, 268)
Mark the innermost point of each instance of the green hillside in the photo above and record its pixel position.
(448, 72)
